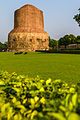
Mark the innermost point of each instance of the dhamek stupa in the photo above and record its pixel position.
(28, 33)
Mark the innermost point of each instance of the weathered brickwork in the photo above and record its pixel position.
(28, 33)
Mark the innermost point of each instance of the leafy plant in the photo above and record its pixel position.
(27, 98)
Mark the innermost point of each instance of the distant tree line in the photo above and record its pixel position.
(65, 40)
(69, 39)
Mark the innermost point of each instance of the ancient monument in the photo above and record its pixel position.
(28, 33)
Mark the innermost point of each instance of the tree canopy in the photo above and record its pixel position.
(52, 42)
(67, 39)
(3, 46)
(77, 17)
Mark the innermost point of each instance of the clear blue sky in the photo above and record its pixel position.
(58, 16)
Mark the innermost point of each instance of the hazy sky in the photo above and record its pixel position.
(58, 16)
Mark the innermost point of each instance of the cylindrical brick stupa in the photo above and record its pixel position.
(28, 33)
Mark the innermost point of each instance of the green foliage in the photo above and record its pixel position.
(78, 40)
(67, 39)
(69, 51)
(27, 98)
(3, 46)
(77, 17)
(52, 43)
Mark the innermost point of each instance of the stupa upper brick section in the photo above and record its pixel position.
(28, 19)
(28, 33)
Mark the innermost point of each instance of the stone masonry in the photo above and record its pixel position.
(28, 33)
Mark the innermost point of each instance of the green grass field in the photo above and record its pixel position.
(56, 66)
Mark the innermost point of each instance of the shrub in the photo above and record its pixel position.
(67, 51)
(70, 51)
(37, 99)
(16, 53)
(25, 53)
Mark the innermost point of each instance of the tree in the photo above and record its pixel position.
(72, 39)
(61, 41)
(3, 46)
(78, 40)
(64, 41)
(77, 17)
(52, 42)
(67, 39)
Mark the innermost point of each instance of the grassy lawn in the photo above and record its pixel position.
(55, 66)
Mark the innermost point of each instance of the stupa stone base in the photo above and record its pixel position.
(24, 41)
